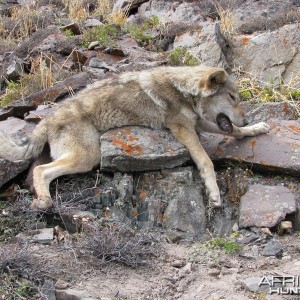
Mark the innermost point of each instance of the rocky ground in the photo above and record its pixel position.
(139, 226)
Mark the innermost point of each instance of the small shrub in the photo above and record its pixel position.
(181, 56)
(118, 243)
(105, 34)
(228, 245)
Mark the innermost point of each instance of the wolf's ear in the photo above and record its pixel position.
(212, 82)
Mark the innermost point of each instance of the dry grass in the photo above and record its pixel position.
(77, 10)
(251, 88)
(104, 7)
(226, 15)
(119, 243)
(44, 74)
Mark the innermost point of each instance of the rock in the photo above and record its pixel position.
(203, 44)
(214, 272)
(15, 111)
(83, 55)
(279, 150)
(15, 69)
(18, 129)
(94, 44)
(95, 72)
(173, 11)
(96, 62)
(73, 27)
(191, 218)
(40, 236)
(49, 44)
(272, 56)
(130, 149)
(127, 6)
(61, 284)
(265, 111)
(263, 15)
(92, 23)
(48, 290)
(72, 294)
(274, 203)
(273, 248)
(40, 113)
(253, 284)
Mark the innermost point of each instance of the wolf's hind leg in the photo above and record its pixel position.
(44, 174)
(253, 130)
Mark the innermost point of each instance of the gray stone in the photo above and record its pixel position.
(253, 284)
(50, 43)
(92, 23)
(15, 69)
(95, 72)
(186, 212)
(265, 206)
(48, 290)
(139, 149)
(94, 44)
(18, 129)
(269, 110)
(40, 113)
(279, 150)
(41, 236)
(203, 44)
(269, 56)
(73, 295)
(273, 248)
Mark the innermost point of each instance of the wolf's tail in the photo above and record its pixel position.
(12, 149)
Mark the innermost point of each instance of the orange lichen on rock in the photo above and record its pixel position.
(294, 128)
(127, 149)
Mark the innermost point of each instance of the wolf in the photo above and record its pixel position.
(185, 100)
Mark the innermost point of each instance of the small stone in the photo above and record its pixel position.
(214, 272)
(253, 284)
(61, 284)
(273, 248)
(255, 251)
(48, 290)
(178, 263)
(92, 45)
(92, 23)
(185, 270)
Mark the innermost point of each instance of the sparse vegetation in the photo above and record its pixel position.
(119, 243)
(253, 89)
(43, 75)
(222, 243)
(181, 56)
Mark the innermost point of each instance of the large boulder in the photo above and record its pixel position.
(269, 56)
(16, 128)
(133, 148)
(265, 206)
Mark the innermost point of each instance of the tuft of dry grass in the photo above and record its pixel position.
(104, 7)
(119, 243)
(251, 88)
(44, 74)
(77, 10)
(227, 18)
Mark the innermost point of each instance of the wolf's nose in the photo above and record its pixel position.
(246, 122)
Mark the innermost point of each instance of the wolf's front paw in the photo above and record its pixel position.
(260, 128)
(214, 200)
(42, 203)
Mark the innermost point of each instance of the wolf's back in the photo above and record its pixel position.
(12, 149)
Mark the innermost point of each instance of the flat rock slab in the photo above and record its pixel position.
(16, 128)
(133, 148)
(279, 150)
(265, 206)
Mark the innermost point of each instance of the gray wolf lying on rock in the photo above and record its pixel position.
(185, 100)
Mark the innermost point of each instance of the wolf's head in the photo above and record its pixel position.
(215, 96)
